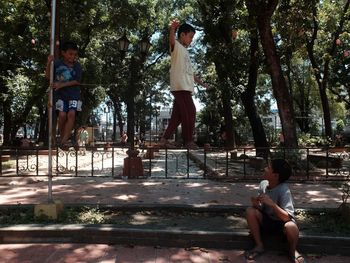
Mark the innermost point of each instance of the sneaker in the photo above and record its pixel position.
(191, 146)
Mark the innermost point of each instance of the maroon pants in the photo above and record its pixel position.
(184, 112)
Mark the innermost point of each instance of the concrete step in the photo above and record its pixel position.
(108, 234)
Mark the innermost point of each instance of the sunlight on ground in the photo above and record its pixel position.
(252, 186)
(151, 183)
(222, 189)
(166, 199)
(141, 219)
(195, 184)
(126, 197)
(314, 192)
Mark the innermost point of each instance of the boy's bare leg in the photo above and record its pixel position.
(292, 234)
(68, 125)
(62, 119)
(254, 218)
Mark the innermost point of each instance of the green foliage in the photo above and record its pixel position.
(307, 140)
(19, 215)
(221, 60)
(85, 216)
(326, 221)
(340, 126)
(80, 215)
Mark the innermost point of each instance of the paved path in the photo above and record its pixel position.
(74, 253)
(197, 192)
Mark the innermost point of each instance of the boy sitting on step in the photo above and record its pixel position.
(273, 211)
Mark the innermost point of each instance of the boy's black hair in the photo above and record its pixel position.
(283, 168)
(69, 45)
(185, 28)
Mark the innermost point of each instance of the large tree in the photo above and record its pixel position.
(263, 11)
(248, 96)
(321, 55)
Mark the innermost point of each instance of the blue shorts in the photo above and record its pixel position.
(66, 106)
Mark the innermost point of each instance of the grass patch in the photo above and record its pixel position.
(328, 222)
(9, 164)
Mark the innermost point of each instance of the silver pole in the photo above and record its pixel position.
(50, 99)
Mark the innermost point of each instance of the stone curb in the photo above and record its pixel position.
(166, 207)
(108, 234)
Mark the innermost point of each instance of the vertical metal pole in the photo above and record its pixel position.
(52, 51)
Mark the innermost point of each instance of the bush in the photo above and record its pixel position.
(307, 140)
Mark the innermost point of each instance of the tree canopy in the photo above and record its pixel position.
(254, 54)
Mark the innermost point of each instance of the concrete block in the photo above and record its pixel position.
(133, 167)
(59, 206)
(50, 210)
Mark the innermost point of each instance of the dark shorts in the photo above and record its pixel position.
(269, 225)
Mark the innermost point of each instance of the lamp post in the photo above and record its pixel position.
(135, 66)
(133, 164)
(157, 111)
(150, 121)
(107, 110)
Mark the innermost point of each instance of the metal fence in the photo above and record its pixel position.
(241, 163)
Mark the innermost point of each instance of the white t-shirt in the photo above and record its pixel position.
(181, 71)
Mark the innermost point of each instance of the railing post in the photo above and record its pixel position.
(226, 172)
(150, 160)
(67, 159)
(244, 163)
(76, 162)
(166, 162)
(113, 160)
(327, 154)
(188, 163)
(0, 161)
(307, 164)
(57, 160)
(37, 161)
(92, 161)
(205, 163)
(17, 169)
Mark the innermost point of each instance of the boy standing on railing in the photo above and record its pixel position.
(181, 86)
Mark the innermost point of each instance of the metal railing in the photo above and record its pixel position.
(241, 163)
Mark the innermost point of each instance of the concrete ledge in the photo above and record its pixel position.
(108, 234)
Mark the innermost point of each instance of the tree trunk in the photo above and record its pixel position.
(322, 81)
(114, 125)
(228, 118)
(7, 122)
(280, 89)
(248, 95)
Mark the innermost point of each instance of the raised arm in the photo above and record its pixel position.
(173, 26)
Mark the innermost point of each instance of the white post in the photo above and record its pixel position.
(50, 99)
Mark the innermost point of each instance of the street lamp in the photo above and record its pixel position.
(123, 43)
(133, 164)
(157, 112)
(145, 45)
(107, 110)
